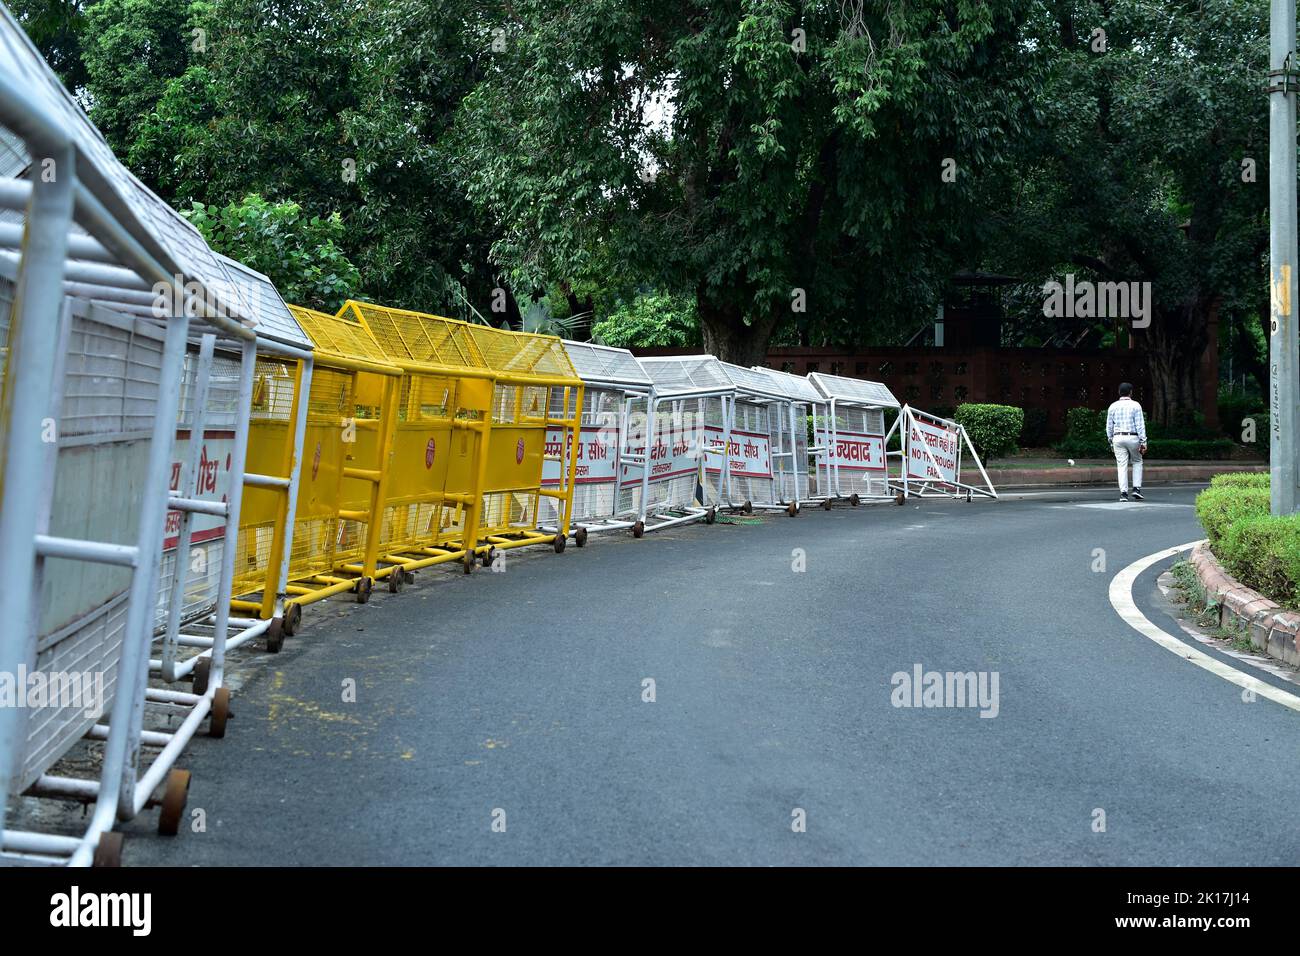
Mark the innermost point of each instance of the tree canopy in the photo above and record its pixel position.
(758, 170)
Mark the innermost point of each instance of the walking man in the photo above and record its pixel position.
(1126, 430)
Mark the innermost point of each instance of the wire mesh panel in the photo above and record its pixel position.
(793, 466)
(636, 427)
(679, 438)
(345, 429)
(854, 434)
(270, 448)
(859, 452)
(111, 369)
(598, 453)
(693, 394)
(507, 386)
(316, 528)
(212, 482)
(423, 442)
(748, 456)
(612, 378)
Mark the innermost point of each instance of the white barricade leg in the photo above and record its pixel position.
(123, 746)
(29, 370)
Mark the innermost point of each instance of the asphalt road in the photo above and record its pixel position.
(517, 698)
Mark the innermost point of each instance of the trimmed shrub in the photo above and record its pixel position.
(1190, 428)
(1264, 553)
(1085, 437)
(1034, 434)
(1085, 434)
(994, 430)
(1224, 505)
(1262, 445)
(1233, 408)
(1179, 449)
(1242, 479)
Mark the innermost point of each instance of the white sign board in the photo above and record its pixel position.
(944, 445)
(596, 454)
(854, 451)
(750, 453)
(212, 482)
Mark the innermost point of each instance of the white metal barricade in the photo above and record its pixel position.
(853, 433)
(762, 413)
(616, 401)
(932, 451)
(210, 408)
(104, 289)
(680, 469)
(797, 462)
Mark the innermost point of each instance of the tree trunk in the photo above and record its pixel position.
(1174, 345)
(727, 336)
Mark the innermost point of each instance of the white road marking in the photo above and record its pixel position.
(1121, 598)
(1256, 659)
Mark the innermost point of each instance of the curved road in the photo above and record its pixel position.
(518, 698)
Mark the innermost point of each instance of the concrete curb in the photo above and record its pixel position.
(1105, 475)
(1272, 628)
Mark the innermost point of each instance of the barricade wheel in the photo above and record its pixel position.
(395, 581)
(220, 713)
(580, 537)
(558, 543)
(711, 516)
(201, 672)
(899, 498)
(468, 561)
(854, 499)
(826, 505)
(792, 509)
(292, 619)
(968, 499)
(408, 576)
(488, 557)
(638, 529)
(275, 635)
(748, 507)
(174, 800)
(108, 851)
(364, 587)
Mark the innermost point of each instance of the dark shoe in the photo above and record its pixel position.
(1137, 495)
(1123, 496)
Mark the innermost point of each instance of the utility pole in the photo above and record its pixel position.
(1284, 357)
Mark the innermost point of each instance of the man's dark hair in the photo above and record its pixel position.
(1125, 389)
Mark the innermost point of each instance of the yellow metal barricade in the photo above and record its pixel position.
(494, 394)
(264, 515)
(342, 483)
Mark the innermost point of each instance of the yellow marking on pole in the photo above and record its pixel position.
(1281, 296)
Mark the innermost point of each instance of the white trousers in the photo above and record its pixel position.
(1127, 450)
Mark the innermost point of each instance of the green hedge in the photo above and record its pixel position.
(1219, 506)
(1241, 479)
(1034, 434)
(994, 430)
(1264, 553)
(1233, 408)
(1260, 550)
(1085, 437)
